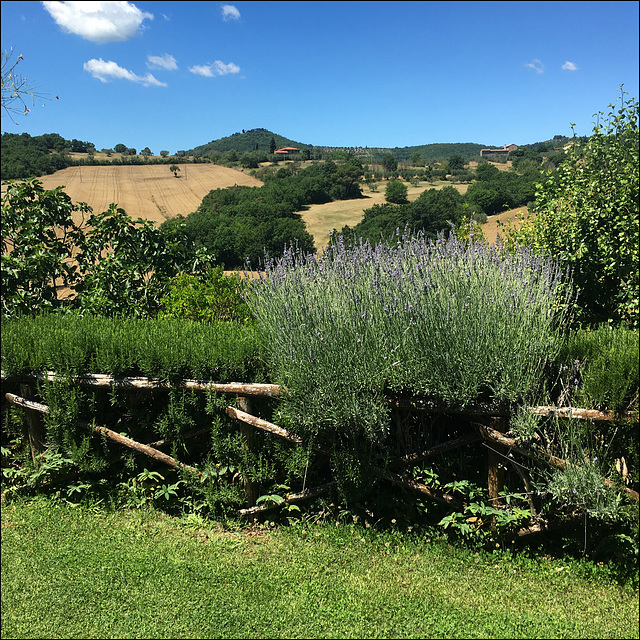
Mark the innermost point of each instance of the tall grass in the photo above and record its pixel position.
(450, 322)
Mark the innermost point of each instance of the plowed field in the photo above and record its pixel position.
(149, 191)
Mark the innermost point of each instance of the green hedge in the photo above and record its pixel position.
(166, 348)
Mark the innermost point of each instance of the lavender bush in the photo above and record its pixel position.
(452, 322)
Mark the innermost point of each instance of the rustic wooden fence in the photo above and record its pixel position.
(486, 426)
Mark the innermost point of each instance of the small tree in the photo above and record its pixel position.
(587, 216)
(396, 192)
(175, 168)
(164, 153)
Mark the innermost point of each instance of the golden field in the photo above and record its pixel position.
(146, 191)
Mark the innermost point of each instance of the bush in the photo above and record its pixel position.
(453, 323)
(396, 192)
(212, 296)
(587, 217)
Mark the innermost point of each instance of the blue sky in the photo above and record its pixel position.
(174, 75)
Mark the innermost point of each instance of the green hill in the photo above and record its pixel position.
(247, 141)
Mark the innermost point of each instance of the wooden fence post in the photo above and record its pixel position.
(495, 477)
(35, 425)
(251, 488)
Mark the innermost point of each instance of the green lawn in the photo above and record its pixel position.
(71, 572)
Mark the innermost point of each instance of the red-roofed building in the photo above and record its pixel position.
(287, 151)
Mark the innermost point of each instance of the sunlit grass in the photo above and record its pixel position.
(76, 573)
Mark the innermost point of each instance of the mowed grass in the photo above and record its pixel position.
(71, 572)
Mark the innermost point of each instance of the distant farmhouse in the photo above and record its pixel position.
(285, 152)
(499, 152)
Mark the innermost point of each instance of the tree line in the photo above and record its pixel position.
(237, 224)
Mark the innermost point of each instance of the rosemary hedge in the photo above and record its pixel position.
(162, 348)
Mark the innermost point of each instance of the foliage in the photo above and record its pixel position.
(24, 156)
(435, 319)
(396, 192)
(495, 190)
(604, 364)
(57, 254)
(247, 141)
(433, 212)
(587, 216)
(242, 223)
(210, 296)
(169, 348)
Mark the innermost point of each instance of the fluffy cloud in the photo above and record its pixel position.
(218, 68)
(165, 61)
(229, 12)
(536, 65)
(98, 22)
(569, 66)
(105, 71)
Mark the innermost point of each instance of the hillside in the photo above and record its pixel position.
(246, 141)
(146, 191)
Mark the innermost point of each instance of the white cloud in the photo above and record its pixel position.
(536, 65)
(569, 66)
(165, 61)
(99, 22)
(229, 12)
(218, 68)
(105, 71)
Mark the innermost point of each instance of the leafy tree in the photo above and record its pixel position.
(272, 145)
(587, 216)
(389, 162)
(455, 163)
(396, 192)
(110, 265)
(175, 168)
(120, 148)
(39, 244)
(164, 153)
(416, 159)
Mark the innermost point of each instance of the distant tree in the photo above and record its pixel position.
(389, 162)
(272, 145)
(146, 152)
(396, 192)
(120, 148)
(175, 168)
(181, 153)
(77, 146)
(416, 159)
(164, 153)
(455, 163)
(131, 151)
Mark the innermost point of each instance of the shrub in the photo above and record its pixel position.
(453, 323)
(396, 192)
(213, 296)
